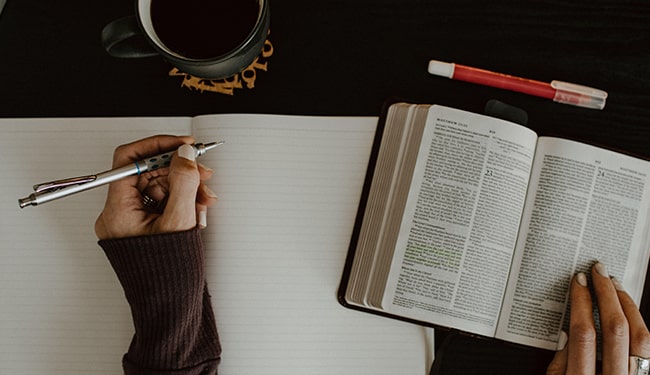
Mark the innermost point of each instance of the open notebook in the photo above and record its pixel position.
(276, 243)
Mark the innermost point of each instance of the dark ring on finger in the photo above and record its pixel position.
(150, 203)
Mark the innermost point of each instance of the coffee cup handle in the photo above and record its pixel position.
(124, 38)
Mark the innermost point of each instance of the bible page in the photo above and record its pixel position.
(276, 244)
(586, 204)
(62, 309)
(459, 227)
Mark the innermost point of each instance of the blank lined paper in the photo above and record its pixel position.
(276, 243)
(62, 310)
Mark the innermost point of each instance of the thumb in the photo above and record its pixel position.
(184, 180)
(559, 363)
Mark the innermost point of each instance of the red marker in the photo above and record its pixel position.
(561, 92)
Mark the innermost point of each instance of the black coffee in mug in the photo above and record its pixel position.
(203, 29)
(210, 39)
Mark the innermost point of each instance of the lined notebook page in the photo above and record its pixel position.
(276, 243)
(62, 310)
(289, 188)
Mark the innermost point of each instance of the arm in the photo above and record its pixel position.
(157, 255)
(172, 315)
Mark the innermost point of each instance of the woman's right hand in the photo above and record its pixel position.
(625, 335)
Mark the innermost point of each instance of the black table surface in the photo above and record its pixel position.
(346, 57)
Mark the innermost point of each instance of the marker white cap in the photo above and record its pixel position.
(443, 69)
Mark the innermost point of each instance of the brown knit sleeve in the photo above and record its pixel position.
(164, 284)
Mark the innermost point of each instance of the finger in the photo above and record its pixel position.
(135, 151)
(559, 363)
(206, 172)
(206, 196)
(184, 180)
(614, 325)
(146, 178)
(639, 336)
(138, 150)
(582, 331)
(157, 188)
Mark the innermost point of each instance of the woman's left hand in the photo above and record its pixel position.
(166, 200)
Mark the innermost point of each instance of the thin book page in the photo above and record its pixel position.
(585, 204)
(461, 219)
(62, 310)
(288, 189)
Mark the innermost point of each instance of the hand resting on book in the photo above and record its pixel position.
(625, 342)
(134, 204)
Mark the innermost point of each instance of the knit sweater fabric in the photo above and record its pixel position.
(164, 283)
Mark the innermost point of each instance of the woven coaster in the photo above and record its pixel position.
(228, 85)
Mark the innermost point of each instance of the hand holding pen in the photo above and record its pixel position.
(132, 203)
(143, 197)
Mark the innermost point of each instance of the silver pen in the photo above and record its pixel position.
(49, 191)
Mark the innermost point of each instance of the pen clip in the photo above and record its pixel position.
(60, 184)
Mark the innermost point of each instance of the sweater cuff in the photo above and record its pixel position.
(147, 266)
(164, 284)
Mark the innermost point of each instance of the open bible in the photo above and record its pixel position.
(478, 224)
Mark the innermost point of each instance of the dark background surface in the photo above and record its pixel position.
(347, 57)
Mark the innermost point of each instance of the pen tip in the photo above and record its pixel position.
(211, 145)
(202, 148)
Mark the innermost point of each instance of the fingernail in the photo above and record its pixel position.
(203, 218)
(581, 278)
(617, 284)
(601, 269)
(562, 340)
(187, 152)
